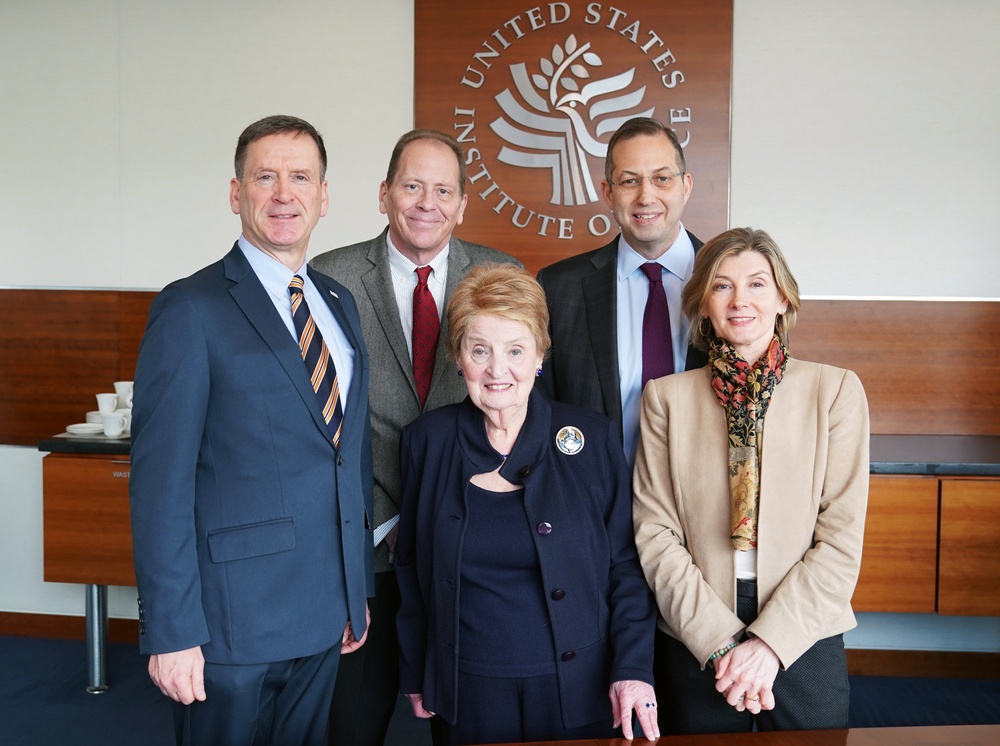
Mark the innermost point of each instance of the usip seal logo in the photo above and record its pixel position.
(558, 117)
(538, 101)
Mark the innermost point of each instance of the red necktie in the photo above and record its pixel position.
(426, 327)
(319, 364)
(657, 343)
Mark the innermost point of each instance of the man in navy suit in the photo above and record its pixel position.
(251, 514)
(597, 299)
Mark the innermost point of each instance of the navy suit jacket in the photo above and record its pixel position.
(582, 368)
(251, 531)
(579, 512)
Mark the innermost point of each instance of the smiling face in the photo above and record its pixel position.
(499, 358)
(648, 216)
(743, 302)
(281, 196)
(424, 202)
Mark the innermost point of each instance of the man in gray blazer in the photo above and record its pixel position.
(597, 300)
(424, 198)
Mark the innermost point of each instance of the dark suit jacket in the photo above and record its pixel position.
(364, 269)
(250, 530)
(583, 316)
(603, 622)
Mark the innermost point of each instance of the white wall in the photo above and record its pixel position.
(864, 138)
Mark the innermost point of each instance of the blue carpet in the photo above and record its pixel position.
(43, 697)
(43, 700)
(891, 701)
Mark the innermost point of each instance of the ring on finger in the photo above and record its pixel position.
(754, 698)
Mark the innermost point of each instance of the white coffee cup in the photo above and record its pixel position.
(124, 391)
(107, 403)
(114, 424)
(127, 414)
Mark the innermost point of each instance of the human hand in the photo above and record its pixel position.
(639, 696)
(349, 643)
(745, 676)
(417, 703)
(390, 541)
(180, 675)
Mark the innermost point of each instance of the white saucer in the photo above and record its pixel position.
(94, 417)
(85, 428)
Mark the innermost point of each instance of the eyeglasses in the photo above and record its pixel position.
(658, 181)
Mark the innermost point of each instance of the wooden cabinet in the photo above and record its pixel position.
(86, 519)
(899, 560)
(969, 564)
(931, 544)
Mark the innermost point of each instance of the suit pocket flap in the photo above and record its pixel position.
(252, 540)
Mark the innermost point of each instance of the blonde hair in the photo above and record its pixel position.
(501, 290)
(706, 267)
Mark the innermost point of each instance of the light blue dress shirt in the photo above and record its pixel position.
(632, 292)
(275, 277)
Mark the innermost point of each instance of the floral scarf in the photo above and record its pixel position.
(745, 392)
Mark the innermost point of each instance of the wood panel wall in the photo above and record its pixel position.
(58, 349)
(929, 367)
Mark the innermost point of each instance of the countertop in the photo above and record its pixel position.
(956, 455)
(86, 444)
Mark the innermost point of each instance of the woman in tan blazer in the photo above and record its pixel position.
(750, 634)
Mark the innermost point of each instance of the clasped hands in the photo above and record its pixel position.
(745, 676)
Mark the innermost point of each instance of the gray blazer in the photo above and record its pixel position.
(364, 269)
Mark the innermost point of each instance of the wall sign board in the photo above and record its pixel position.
(534, 91)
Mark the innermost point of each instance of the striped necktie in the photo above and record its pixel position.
(319, 364)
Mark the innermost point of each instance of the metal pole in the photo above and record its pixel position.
(97, 636)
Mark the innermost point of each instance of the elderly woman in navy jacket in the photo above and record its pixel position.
(525, 615)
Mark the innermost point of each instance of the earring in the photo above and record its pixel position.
(538, 372)
(460, 373)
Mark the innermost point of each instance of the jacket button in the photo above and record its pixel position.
(544, 528)
(568, 656)
(340, 460)
(525, 471)
(558, 595)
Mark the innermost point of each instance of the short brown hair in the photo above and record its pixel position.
(638, 127)
(706, 267)
(441, 137)
(498, 290)
(276, 125)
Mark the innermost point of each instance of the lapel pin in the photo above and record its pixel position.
(569, 440)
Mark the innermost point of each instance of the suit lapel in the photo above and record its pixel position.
(253, 300)
(599, 296)
(458, 266)
(378, 285)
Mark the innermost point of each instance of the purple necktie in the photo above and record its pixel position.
(657, 344)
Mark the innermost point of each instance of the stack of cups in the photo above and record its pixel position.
(116, 410)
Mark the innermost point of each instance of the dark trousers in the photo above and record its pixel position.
(494, 710)
(265, 704)
(813, 693)
(368, 681)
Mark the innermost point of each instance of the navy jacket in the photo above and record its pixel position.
(600, 608)
(251, 532)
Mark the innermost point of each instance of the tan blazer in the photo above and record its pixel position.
(814, 494)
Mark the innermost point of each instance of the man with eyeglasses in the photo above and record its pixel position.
(610, 333)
